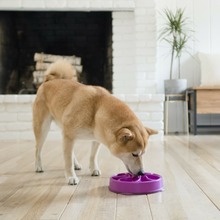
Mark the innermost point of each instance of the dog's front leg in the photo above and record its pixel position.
(93, 159)
(69, 171)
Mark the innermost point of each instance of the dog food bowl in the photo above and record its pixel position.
(126, 183)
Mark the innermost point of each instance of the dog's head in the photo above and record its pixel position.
(130, 146)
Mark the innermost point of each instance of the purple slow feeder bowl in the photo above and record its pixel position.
(126, 183)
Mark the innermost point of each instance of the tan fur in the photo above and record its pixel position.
(60, 70)
(88, 112)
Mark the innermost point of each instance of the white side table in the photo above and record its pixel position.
(171, 98)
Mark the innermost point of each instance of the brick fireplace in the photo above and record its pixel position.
(133, 61)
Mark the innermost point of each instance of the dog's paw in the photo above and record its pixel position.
(96, 173)
(77, 166)
(39, 170)
(73, 180)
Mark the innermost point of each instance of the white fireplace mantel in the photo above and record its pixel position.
(64, 5)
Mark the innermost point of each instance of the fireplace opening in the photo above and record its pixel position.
(84, 34)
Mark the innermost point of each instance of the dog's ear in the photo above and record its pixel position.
(151, 131)
(124, 135)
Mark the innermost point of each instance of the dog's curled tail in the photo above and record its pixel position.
(61, 69)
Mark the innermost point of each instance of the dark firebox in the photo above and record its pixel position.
(85, 34)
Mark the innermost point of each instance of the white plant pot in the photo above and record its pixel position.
(175, 86)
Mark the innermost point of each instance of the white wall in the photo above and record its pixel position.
(205, 18)
(134, 49)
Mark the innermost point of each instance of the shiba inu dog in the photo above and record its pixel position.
(86, 112)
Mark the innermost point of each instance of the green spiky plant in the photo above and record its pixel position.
(176, 33)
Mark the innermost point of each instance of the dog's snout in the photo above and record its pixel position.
(140, 173)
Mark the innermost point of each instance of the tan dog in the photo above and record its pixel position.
(88, 112)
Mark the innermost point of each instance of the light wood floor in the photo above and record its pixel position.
(190, 167)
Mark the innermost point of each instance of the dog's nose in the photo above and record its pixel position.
(140, 173)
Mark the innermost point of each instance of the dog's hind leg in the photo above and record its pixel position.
(41, 125)
(93, 159)
(68, 156)
(77, 165)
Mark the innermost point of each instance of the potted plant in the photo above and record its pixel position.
(176, 33)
